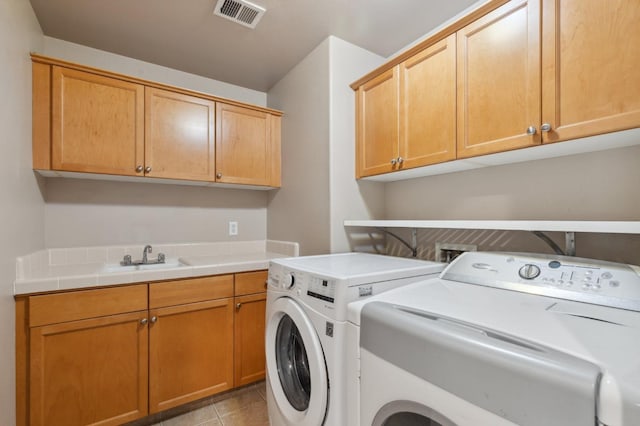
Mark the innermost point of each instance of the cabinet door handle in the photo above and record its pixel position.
(144, 321)
(154, 319)
(545, 127)
(238, 305)
(400, 160)
(531, 130)
(147, 169)
(218, 175)
(266, 284)
(393, 161)
(139, 169)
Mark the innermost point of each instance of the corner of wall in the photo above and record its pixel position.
(349, 199)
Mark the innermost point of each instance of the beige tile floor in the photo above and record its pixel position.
(242, 407)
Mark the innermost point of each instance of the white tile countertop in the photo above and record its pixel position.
(75, 268)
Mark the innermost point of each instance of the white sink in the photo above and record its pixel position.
(116, 267)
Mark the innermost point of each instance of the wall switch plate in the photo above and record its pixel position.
(233, 228)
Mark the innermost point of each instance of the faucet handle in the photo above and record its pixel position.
(160, 257)
(126, 260)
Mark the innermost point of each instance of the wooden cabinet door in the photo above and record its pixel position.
(591, 63)
(244, 150)
(191, 352)
(97, 123)
(90, 371)
(377, 125)
(498, 71)
(428, 105)
(249, 352)
(179, 140)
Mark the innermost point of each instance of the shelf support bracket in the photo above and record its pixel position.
(414, 240)
(569, 243)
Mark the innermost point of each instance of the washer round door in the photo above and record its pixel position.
(295, 364)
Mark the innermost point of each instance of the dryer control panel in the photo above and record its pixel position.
(583, 280)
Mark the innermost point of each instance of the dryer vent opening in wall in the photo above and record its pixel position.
(447, 252)
(240, 11)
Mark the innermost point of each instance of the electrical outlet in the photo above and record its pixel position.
(233, 228)
(446, 252)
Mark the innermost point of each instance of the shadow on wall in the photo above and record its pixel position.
(86, 191)
(612, 247)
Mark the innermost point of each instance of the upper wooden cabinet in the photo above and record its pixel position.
(94, 121)
(247, 146)
(377, 125)
(499, 80)
(179, 134)
(97, 123)
(527, 72)
(591, 58)
(428, 105)
(406, 117)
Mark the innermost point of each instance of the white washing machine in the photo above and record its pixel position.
(306, 337)
(504, 339)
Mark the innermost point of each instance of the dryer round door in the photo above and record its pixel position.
(295, 364)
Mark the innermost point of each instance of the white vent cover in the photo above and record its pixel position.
(240, 11)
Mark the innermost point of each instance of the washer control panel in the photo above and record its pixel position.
(585, 280)
(318, 287)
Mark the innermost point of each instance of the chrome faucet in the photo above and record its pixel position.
(126, 261)
(147, 250)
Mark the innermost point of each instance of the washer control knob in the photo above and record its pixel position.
(529, 271)
(289, 281)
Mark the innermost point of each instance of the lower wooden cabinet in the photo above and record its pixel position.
(112, 355)
(190, 345)
(87, 357)
(90, 371)
(249, 327)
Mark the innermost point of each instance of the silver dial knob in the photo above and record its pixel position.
(147, 169)
(289, 281)
(139, 169)
(529, 271)
(531, 130)
(545, 127)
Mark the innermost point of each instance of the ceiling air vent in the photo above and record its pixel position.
(240, 11)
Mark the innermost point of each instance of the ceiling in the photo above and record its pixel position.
(187, 36)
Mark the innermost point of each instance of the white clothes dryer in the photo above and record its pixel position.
(504, 339)
(306, 336)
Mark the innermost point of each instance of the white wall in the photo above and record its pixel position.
(88, 212)
(299, 211)
(21, 214)
(593, 186)
(350, 199)
(319, 190)
(84, 55)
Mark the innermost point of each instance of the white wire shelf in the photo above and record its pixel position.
(609, 227)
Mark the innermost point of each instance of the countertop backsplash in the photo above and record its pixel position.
(68, 268)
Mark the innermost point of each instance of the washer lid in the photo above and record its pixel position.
(521, 381)
(606, 337)
(361, 267)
